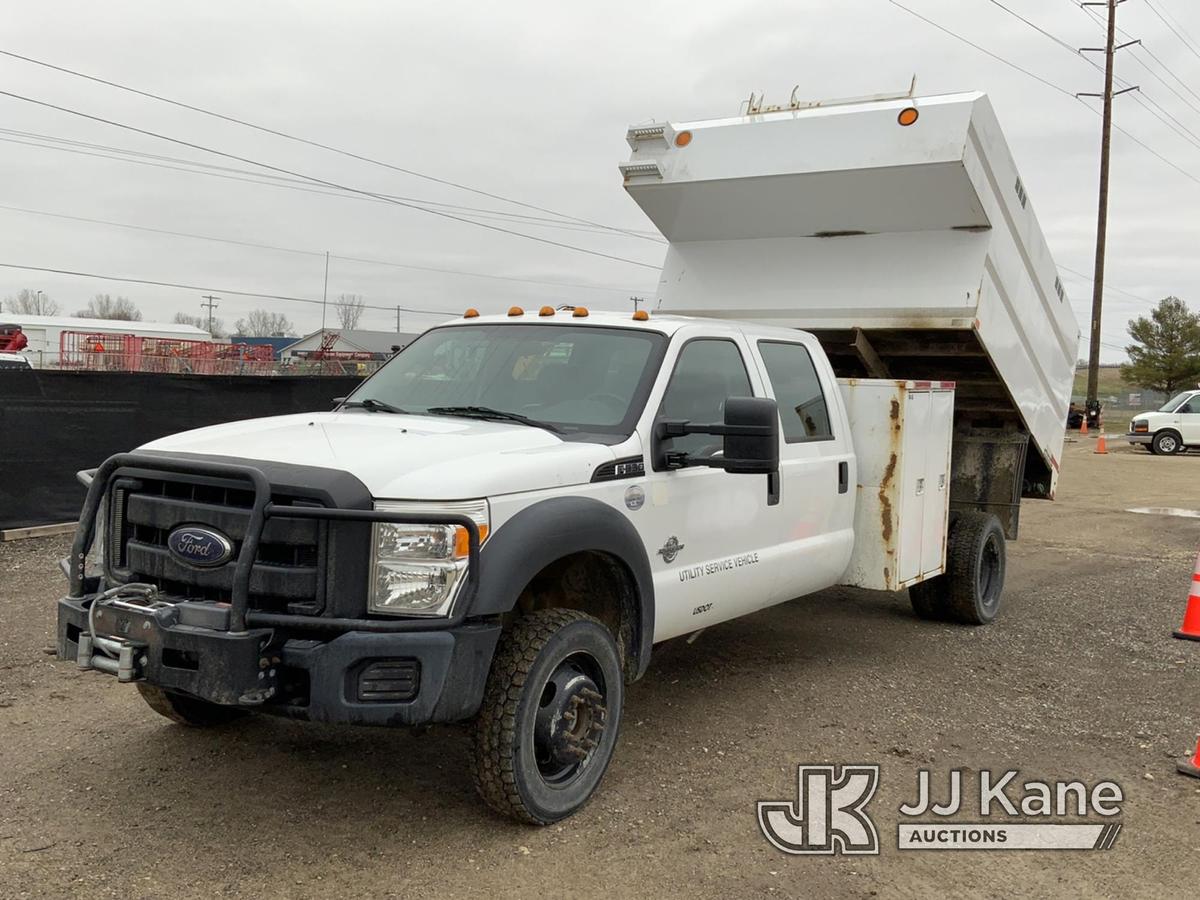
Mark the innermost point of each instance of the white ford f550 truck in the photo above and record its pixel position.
(500, 524)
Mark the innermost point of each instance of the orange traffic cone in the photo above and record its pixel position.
(1190, 629)
(1083, 425)
(1101, 446)
(1190, 766)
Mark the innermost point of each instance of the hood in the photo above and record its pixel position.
(403, 457)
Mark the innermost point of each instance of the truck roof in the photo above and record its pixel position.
(664, 323)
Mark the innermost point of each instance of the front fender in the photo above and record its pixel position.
(552, 529)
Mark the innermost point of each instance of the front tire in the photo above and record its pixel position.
(972, 586)
(185, 710)
(550, 716)
(1166, 443)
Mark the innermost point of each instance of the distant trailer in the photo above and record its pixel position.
(45, 332)
(896, 230)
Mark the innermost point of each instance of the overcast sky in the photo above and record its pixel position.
(529, 101)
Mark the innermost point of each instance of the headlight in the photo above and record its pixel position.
(416, 570)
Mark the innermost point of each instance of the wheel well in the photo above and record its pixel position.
(596, 583)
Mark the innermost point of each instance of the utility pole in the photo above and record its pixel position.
(397, 320)
(636, 301)
(1092, 408)
(212, 302)
(325, 292)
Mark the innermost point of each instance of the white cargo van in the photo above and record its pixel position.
(499, 525)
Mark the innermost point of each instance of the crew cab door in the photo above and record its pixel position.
(708, 532)
(816, 465)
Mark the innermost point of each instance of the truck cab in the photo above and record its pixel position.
(1172, 428)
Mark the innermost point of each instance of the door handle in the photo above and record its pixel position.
(843, 477)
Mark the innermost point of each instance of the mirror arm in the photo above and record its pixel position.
(668, 428)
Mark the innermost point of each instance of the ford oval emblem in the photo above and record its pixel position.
(200, 546)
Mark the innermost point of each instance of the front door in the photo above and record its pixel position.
(705, 528)
(1189, 421)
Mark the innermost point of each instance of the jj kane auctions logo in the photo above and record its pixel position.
(829, 815)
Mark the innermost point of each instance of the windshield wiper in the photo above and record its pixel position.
(487, 413)
(372, 405)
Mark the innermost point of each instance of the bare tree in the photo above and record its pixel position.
(105, 306)
(349, 310)
(264, 323)
(201, 322)
(32, 303)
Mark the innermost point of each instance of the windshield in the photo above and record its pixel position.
(1170, 405)
(578, 379)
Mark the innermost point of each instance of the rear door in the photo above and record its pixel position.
(813, 524)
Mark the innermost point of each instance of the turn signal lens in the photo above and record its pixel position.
(516, 311)
(683, 139)
(908, 116)
(546, 311)
(462, 540)
(641, 316)
(580, 312)
(471, 313)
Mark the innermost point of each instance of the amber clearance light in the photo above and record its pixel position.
(908, 116)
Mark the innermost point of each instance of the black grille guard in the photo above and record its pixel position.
(241, 616)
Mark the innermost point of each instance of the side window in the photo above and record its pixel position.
(798, 392)
(707, 372)
(1192, 406)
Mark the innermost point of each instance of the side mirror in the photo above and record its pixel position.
(751, 435)
(750, 430)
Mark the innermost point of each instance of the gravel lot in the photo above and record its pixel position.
(1079, 679)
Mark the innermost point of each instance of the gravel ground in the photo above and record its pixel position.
(1080, 679)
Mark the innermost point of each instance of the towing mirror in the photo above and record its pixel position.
(750, 432)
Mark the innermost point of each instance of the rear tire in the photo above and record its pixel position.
(972, 586)
(190, 711)
(550, 716)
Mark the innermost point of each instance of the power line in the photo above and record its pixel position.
(984, 50)
(291, 137)
(445, 215)
(1050, 84)
(1178, 32)
(265, 179)
(194, 287)
(345, 258)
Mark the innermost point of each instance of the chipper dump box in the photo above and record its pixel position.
(896, 230)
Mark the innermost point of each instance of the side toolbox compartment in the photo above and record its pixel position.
(902, 433)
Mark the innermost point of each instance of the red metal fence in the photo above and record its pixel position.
(100, 351)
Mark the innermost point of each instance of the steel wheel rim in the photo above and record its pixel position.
(569, 723)
(991, 572)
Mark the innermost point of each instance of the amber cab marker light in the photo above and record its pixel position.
(546, 311)
(908, 116)
(516, 311)
(471, 313)
(580, 312)
(641, 316)
(683, 139)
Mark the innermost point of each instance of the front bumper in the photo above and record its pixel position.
(1139, 438)
(355, 677)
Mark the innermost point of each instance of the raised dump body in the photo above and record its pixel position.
(910, 250)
